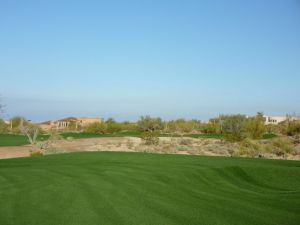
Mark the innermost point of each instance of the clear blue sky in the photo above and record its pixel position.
(168, 58)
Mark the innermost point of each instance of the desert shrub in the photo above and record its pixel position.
(112, 126)
(185, 141)
(55, 136)
(289, 127)
(166, 146)
(149, 124)
(255, 126)
(182, 126)
(282, 146)
(129, 144)
(293, 128)
(49, 146)
(36, 153)
(96, 128)
(272, 128)
(128, 126)
(31, 131)
(231, 151)
(233, 127)
(234, 137)
(150, 138)
(210, 128)
(250, 148)
(296, 139)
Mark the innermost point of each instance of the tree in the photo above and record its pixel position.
(149, 124)
(31, 131)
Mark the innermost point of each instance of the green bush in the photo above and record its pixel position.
(149, 124)
(96, 128)
(182, 126)
(112, 126)
(150, 138)
(210, 128)
(128, 126)
(233, 127)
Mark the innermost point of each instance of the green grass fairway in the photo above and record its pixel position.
(148, 189)
(13, 140)
(17, 140)
(92, 135)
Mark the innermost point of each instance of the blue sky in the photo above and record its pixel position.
(168, 58)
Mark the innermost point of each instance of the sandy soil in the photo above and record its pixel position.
(75, 145)
(167, 145)
(15, 152)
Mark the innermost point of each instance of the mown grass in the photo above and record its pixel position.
(150, 189)
(92, 135)
(13, 140)
(17, 140)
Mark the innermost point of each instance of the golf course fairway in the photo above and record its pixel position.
(110, 188)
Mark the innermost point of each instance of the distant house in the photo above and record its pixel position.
(278, 119)
(7, 122)
(66, 122)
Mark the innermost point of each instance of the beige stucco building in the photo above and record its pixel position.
(278, 119)
(66, 122)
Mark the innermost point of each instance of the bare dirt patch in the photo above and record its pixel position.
(15, 151)
(167, 145)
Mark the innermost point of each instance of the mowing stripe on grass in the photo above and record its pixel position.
(150, 189)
